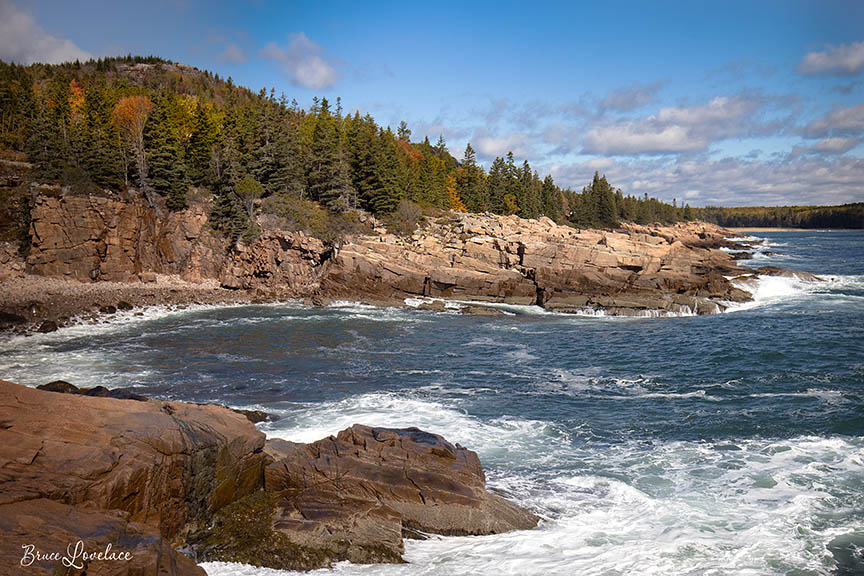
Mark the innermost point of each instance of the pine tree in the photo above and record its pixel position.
(45, 146)
(552, 202)
(403, 132)
(167, 171)
(323, 162)
(101, 151)
(472, 183)
(201, 145)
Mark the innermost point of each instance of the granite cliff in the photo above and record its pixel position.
(93, 240)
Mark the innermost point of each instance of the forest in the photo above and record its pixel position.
(169, 130)
(843, 216)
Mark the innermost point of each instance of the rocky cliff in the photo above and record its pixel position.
(479, 257)
(118, 237)
(512, 260)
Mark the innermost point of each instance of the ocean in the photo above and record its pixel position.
(722, 444)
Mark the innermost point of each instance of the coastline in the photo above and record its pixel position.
(554, 267)
(775, 229)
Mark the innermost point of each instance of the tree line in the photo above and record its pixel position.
(165, 129)
(843, 216)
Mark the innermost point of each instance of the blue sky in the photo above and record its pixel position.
(731, 103)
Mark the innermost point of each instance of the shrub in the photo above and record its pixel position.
(296, 214)
(404, 220)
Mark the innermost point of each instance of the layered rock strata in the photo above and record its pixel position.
(512, 260)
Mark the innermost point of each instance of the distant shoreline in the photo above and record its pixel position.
(775, 229)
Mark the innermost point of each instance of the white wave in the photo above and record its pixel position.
(448, 304)
(768, 290)
(359, 311)
(494, 439)
(753, 507)
(747, 239)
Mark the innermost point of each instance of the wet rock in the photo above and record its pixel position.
(472, 310)
(124, 306)
(96, 391)
(9, 320)
(108, 309)
(52, 525)
(433, 306)
(47, 326)
(775, 271)
(351, 496)
(254, 416)
(60, 386)
(124, 394)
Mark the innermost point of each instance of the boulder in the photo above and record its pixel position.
(9, 320)
(147, 471)
(354, 497)
(47, 326)
(60, 386)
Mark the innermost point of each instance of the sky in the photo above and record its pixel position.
(711, 103)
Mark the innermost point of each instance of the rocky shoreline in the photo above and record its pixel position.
(92, 254)
(151, 478)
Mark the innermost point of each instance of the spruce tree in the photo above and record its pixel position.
(101, 152)
(323, 162)
(201, 146)
(166, 169)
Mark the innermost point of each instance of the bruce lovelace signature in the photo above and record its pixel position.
(76, 556)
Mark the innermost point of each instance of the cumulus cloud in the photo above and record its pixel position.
(837, 122)
(489, 146)
(729, 181)
(233, 53)
(827, 146)
(23, 41)
(631, 98)
(842, 60)
(303, 62)
(675, 129)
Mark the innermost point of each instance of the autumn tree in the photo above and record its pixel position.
(130, 117)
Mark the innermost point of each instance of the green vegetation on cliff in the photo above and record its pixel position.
(163, 128)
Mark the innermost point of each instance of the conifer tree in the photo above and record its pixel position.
(101, 150)
(201, 145)
(323, 162)
(166, 169)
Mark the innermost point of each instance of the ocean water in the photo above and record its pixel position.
(725, 444)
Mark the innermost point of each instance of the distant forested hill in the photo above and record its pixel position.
(844, 216)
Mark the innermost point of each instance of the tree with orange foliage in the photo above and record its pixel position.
(454, 201)
(130, 116)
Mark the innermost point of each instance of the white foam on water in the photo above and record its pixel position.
(772, 290)
(746, 507)
(359, 311)
(492, 439)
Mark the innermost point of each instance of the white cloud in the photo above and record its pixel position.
(233, 53)
(640, 138)
(489, 146)
(303, 61)
(827, 146)
(631, 98)
(23, 41)
(838, 122)
(675, 129)
(730, 181)
(842, 60)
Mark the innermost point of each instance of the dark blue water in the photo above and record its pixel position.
(727, 444)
